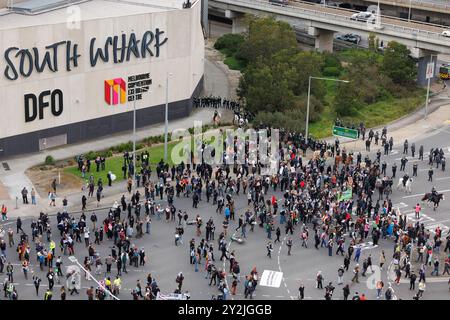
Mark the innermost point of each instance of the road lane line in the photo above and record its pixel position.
(421, 194)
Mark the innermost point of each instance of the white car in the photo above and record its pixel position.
(363, 16)
(446, 33)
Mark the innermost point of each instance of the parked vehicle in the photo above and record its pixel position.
(446, 33)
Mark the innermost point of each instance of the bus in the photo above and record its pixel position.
(444, 72)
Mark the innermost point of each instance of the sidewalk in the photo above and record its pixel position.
(12, 181)
(411, 126)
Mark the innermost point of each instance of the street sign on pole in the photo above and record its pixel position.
(345, 132)
(430, 70)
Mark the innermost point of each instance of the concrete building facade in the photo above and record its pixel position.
(76, 73)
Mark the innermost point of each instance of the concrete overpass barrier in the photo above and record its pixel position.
(321, 17)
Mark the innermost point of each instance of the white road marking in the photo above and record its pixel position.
(439, 179)
(421, 194)
(432, 227)
(429, 280)
(400, 205)
(279, 267)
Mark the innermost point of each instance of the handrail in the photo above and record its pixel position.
(356, 11)
(289, 9)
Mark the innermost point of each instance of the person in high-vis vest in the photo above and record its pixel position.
(48, 294)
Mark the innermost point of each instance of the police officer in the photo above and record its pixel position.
(430, 174)
(368, 145)
(403, 162)
(405, 179)
(443, 163)
(386, 149)
(378, 155)
(415, 170)
(383, 168)
(413, 149)
(391, 143)
(394, 169)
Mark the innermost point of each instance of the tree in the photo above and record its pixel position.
(306, 64)
(266, 87)
(347, 100)
(371, 40)
(398, 65)
(265, 37)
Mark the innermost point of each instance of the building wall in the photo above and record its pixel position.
(85, 113)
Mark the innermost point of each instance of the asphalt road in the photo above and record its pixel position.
(165, 260)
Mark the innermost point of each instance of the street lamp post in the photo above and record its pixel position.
(309, 96)
(73, 259)
(166, 117)
(409, 11)
(134, 143)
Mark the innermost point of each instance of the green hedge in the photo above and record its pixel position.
(49, 160)
(230, 43)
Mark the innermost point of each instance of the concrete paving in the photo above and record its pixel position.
(13, 180)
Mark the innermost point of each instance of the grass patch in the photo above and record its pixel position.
(233, 63)
(372, 115)
(156, 152)
(115, 163)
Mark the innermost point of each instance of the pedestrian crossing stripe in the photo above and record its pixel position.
(432, 227)
(422, 217)
(400, 205)
(365, 245)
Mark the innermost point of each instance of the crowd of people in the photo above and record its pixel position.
(304, 195)
(216, 102)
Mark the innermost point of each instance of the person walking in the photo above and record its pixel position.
(422, 287)
(380, 285)
(412, 281)
(289, 245)
(4, 212)
(346, 291)
(179, 280)
(319, 280)
(37, 283)
(63, 293)
(48, 294)
(301, 292)
(417, 210)
(10, 272)
(269, 249)
(340, 275)
(277, 233)
(356, 274)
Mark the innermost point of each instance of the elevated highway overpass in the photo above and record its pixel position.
(424, 40)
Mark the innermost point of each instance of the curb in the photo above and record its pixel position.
(408, 119)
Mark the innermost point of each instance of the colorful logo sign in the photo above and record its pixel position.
(115, 89)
